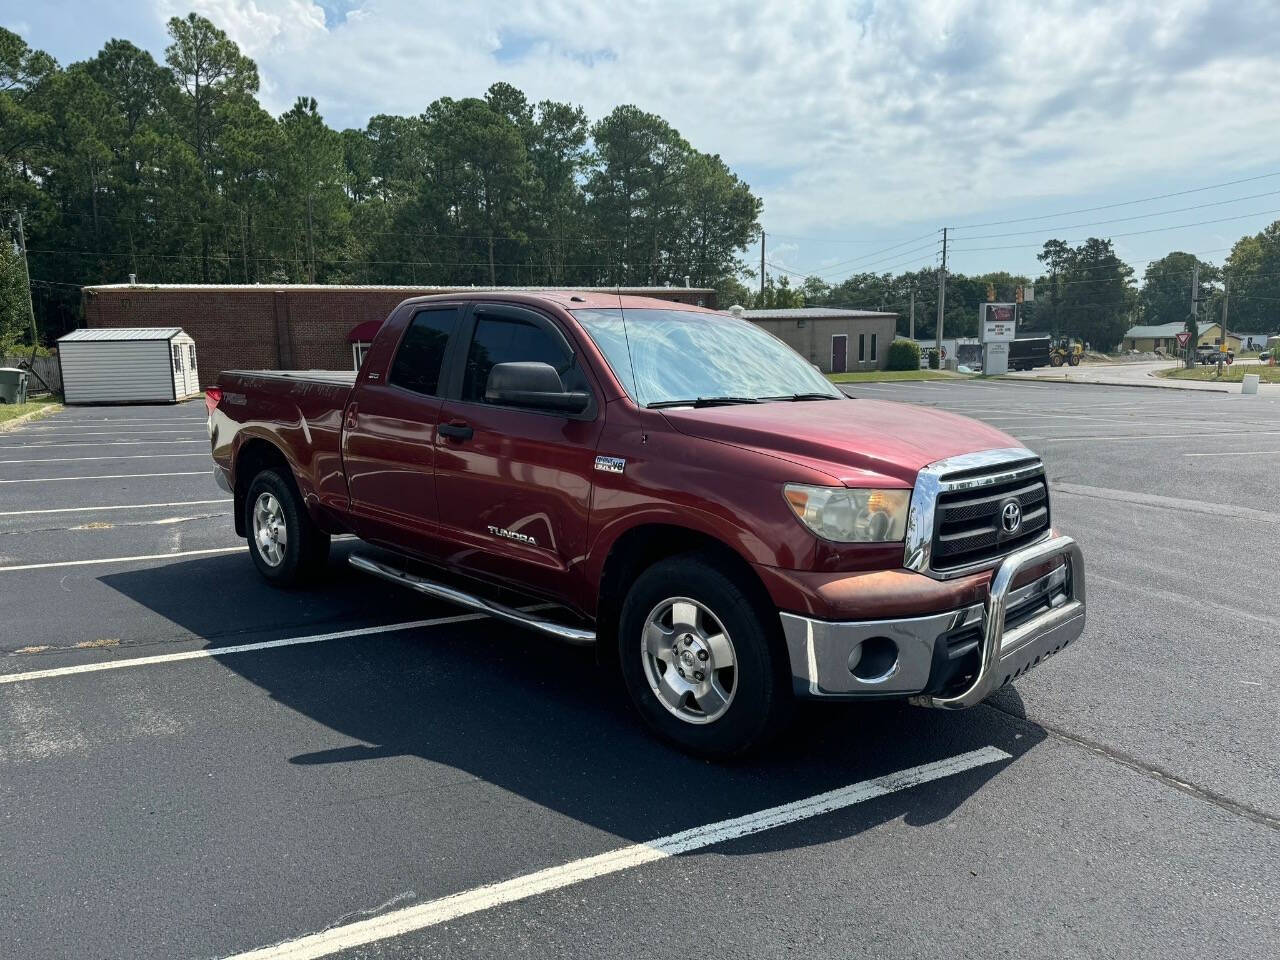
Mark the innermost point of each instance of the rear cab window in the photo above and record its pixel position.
(420, 355)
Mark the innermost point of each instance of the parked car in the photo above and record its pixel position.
(1208, 353)
(727, 528)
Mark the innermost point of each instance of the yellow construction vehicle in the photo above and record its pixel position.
(1066, 351)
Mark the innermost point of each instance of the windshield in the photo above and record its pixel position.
(666, 356)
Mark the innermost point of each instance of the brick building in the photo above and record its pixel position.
(290, 326)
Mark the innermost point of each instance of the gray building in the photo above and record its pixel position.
(835, 339)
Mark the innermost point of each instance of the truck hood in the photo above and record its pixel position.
(854, 441)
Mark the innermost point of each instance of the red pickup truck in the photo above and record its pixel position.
(693, 498)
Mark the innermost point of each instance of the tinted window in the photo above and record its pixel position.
(421, 353)
(509, 340)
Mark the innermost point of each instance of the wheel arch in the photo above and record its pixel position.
(254, 455)
(638, 548)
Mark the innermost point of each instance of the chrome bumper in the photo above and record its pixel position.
(220, 478)
(849, 660)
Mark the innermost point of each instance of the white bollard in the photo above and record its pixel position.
(1250, 383)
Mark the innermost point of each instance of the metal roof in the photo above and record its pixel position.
(121, 333)
(1166, 330)
(816, 313)
(420, 288)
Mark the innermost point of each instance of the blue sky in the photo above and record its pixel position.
(863, 125)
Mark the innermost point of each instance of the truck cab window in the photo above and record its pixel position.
(421, 353)
(510, 340)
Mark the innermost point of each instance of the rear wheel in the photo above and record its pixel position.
(1055, 359)
(286, 545)
(700, 659)
(1074, 359)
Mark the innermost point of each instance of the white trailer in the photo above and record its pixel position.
(128, 365)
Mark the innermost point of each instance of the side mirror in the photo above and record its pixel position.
(534, 385)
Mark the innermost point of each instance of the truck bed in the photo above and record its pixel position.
(345, 378)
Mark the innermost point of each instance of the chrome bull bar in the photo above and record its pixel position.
(1007, 655)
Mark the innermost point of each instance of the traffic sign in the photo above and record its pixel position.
(1184, 339)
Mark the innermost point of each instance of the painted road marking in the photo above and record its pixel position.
(1237, 453)
(477, 899)
(120, 506)
(121, 456)
(1230, 512)
(1165, 436)
(149, 556)
(94, 443)
(113, 476)
(213, 652)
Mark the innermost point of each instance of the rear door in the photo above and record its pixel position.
(390, 431)
(514, 484)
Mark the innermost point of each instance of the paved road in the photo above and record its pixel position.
(1137, 374)
(186, 805)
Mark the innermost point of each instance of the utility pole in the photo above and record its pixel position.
(1226, 296)
(1193, 327)
(26, 273)
(911, 324)
(942, 294)
(762, 269)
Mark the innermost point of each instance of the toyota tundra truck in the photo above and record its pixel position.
(674, 486)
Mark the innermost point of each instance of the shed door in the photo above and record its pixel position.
(839, 353)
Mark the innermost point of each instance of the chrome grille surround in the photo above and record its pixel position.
(967, 472)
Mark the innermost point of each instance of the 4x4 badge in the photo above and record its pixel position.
(611, 464)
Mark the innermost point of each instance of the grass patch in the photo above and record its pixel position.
(11, 411)
(1234, 373)
(864, 376)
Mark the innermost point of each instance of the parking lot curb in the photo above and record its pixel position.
(33, 415)
(1117, 383)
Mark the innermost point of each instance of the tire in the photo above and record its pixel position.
(286, 545)
(1055, 360)
(743, 703)
(1074, 360)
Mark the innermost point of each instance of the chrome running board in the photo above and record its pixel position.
(560, 631)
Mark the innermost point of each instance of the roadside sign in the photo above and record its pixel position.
(996, 322)
(1184, 339)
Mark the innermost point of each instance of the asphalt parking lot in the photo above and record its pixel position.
(193, 764)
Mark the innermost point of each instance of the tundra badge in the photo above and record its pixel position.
(610, 464)
(512, 535)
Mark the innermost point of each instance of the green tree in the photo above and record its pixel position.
(1165, 296)
(1253, 272)
(14, 319)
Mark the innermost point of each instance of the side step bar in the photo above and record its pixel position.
(560, 631)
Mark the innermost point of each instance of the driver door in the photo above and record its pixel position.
(513, 485)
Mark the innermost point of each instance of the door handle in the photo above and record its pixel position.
(456, 431)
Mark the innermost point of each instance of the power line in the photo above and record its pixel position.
(1132, 233)
(1140, 216)
(1122, 203)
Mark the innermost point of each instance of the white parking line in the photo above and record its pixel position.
(229, 651)
(434, 912)
(80, 432)
(118, 506)
(1235, 453)
(149, 556)
(1164, 436)
(93, 443)
(114, 476)
(121, 456)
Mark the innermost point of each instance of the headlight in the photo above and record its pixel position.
(850, 516)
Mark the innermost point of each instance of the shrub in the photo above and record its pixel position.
(933, 358)
(904, 355)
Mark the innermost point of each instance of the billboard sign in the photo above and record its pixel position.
(995, 322)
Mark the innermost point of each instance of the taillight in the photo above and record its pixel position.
(212, 397)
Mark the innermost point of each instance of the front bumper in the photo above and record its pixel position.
(952, 659)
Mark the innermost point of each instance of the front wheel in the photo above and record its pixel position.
(1055, 360)
(287, 546)
(1074, 360)
(701, 658)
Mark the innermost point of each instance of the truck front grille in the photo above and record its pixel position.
(968, 527)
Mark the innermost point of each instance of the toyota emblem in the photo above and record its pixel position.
(1011, 517)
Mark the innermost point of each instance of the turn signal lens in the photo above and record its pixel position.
(850, 516)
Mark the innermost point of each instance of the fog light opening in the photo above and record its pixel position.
(875, 660)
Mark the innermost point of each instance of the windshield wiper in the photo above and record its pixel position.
(702, 402)
(804, 396)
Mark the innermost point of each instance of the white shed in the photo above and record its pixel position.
(128, 365)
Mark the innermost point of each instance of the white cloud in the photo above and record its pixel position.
(871, 113)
